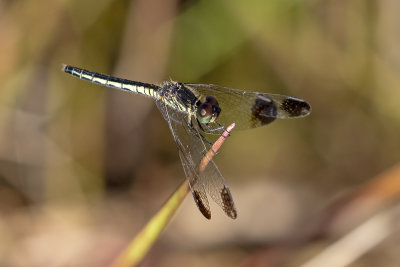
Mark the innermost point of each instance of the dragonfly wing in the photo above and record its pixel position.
(251, 109)
(191, 151)
(197, 189)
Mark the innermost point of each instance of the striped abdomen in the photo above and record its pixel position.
(147, 89)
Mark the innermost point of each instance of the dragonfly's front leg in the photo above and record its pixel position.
(208, 129)
(219, 129)
(196, 133)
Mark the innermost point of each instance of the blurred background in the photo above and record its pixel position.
(83, 167)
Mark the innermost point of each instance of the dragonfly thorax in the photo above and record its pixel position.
(179, 97)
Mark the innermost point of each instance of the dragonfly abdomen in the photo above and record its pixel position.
(140, 88)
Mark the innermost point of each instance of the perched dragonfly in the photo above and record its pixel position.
(196, 112)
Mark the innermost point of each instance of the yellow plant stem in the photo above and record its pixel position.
(140, 246)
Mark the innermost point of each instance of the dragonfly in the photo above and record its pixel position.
(196, 113)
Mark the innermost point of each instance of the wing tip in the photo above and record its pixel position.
(227, 203)
(204, 209)
(64, 67)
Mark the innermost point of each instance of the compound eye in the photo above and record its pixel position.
(209, 110)
(212, 100)
(215, 107)
(216, 110)
(205, 112)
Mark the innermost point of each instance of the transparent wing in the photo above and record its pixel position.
(251, 109)
(191, 151)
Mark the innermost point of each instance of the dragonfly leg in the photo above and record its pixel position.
(208, 129)
(220, 128)
(197, 134)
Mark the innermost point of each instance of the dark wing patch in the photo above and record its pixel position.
(296, 107)
(263, 110)
(227, 203)
(204, 209)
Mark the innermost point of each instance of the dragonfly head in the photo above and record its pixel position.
(209, 110)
